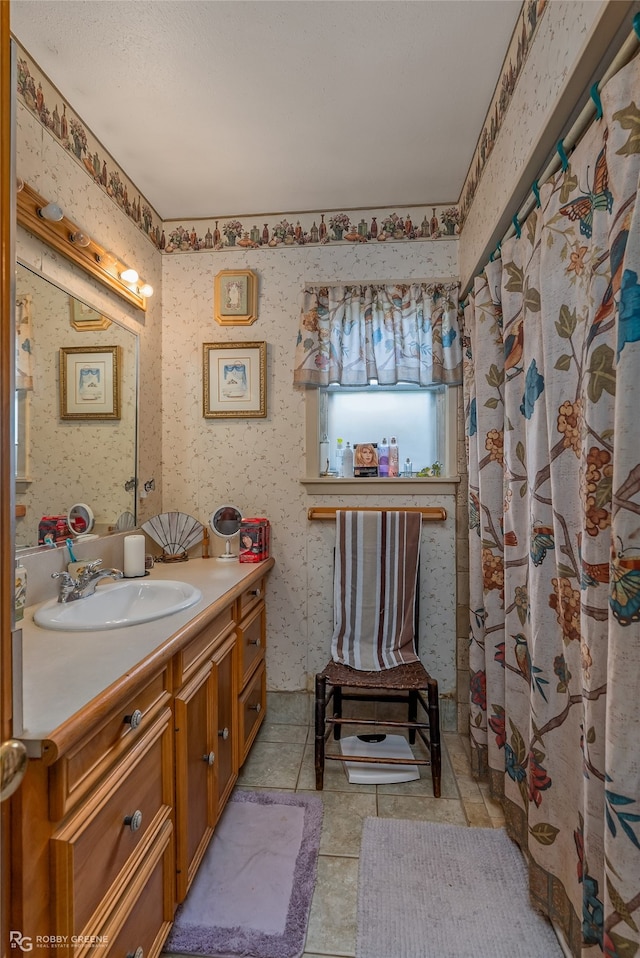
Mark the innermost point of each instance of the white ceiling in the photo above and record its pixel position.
(259, 106)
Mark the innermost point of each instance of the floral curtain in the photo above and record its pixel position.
(24, 340)
(552, 392)
(353, 335)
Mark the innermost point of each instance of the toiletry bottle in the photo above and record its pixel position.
(394, 458)
(338, 457)
(20, 591)
(383, 458)
(324, 455)
(407, 469)
(347, 462)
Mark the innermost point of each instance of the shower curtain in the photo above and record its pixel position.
(552, 396)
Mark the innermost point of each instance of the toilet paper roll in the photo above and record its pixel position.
(134, 556)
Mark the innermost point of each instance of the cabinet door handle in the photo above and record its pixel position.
(138, 953)
(254, 641)
(255, 592)
(209, 758)
(134, 719)
(134, 821)
(224, 733)
(256, 708)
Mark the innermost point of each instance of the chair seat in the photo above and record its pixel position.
(401, 678)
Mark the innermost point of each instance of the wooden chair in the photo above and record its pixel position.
(375, 586)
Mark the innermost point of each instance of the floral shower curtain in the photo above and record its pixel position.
(390, 333)
(552, 393)
(24, 339)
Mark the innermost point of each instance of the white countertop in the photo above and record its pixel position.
(63, 671)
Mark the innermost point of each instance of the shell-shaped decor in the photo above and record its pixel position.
(175, 532)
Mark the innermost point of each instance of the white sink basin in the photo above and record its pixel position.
(118, 604)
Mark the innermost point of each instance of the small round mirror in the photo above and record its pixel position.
(80, 519)
(225, 522)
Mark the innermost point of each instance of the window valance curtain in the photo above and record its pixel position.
(353, 335)
(24, 339)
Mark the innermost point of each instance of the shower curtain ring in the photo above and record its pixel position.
(595, 96)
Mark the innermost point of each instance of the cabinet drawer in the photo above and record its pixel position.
(252, 704)
(143, 916)
(199, 649)
(79, 769)
(250, 597)
(95, 853)
(251, 639)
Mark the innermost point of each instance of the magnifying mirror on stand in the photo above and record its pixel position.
(225, 523)
(80, 520)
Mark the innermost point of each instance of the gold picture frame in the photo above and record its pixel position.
(234, 380)
(235, 297)
(90, 382)
(84, 319)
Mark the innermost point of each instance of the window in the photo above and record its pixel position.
(422, 420)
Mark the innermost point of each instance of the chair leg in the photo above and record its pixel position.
(434, 736)
(413, 714)
(320, 710)
(337, 709)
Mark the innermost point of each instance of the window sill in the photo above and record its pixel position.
(427, 486)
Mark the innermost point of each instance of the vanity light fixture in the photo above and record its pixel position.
(146, 290)
(80, 238)
(48, 223)
(51, 212)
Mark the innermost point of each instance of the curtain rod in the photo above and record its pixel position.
(592, 108)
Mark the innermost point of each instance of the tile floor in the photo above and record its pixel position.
(282, 759)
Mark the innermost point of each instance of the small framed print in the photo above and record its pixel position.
(234, 380)
(90, 382)
(84, 319)
(235, 297)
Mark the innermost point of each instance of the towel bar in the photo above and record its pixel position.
(429, 513)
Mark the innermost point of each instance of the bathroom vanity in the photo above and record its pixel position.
(135, 736)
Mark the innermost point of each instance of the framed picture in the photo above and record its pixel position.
(234, 380)
(84, 319)
(90, 382)
(235, 297)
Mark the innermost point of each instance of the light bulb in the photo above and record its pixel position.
(129, 276)
(51, 212)
(79, 238)
(19, 184)
(106, 259)
(146, 290)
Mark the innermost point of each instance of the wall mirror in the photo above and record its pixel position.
(73, 442)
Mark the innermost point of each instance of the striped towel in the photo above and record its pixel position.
(374, 589)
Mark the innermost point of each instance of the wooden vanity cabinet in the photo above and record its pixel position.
(113, 820)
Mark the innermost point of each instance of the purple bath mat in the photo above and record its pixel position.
(252, 893)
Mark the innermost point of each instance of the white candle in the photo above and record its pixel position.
(133, 556)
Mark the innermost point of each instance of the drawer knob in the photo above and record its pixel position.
(134, 719)
(134, 821)
(256, 708)
(255, 592)
(209, 758)
(138, 953)
(223, 733)
(254, 641)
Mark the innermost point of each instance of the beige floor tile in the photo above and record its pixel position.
(344, 814)
(289, 708)
(422, 809)
(279, 732)
(477, 815)
(272, 765)
(335, 778)
(332, 923)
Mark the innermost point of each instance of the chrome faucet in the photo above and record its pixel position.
(85, 585)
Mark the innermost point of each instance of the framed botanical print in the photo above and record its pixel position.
(234, 380)
(235, 297)
(90, 382)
